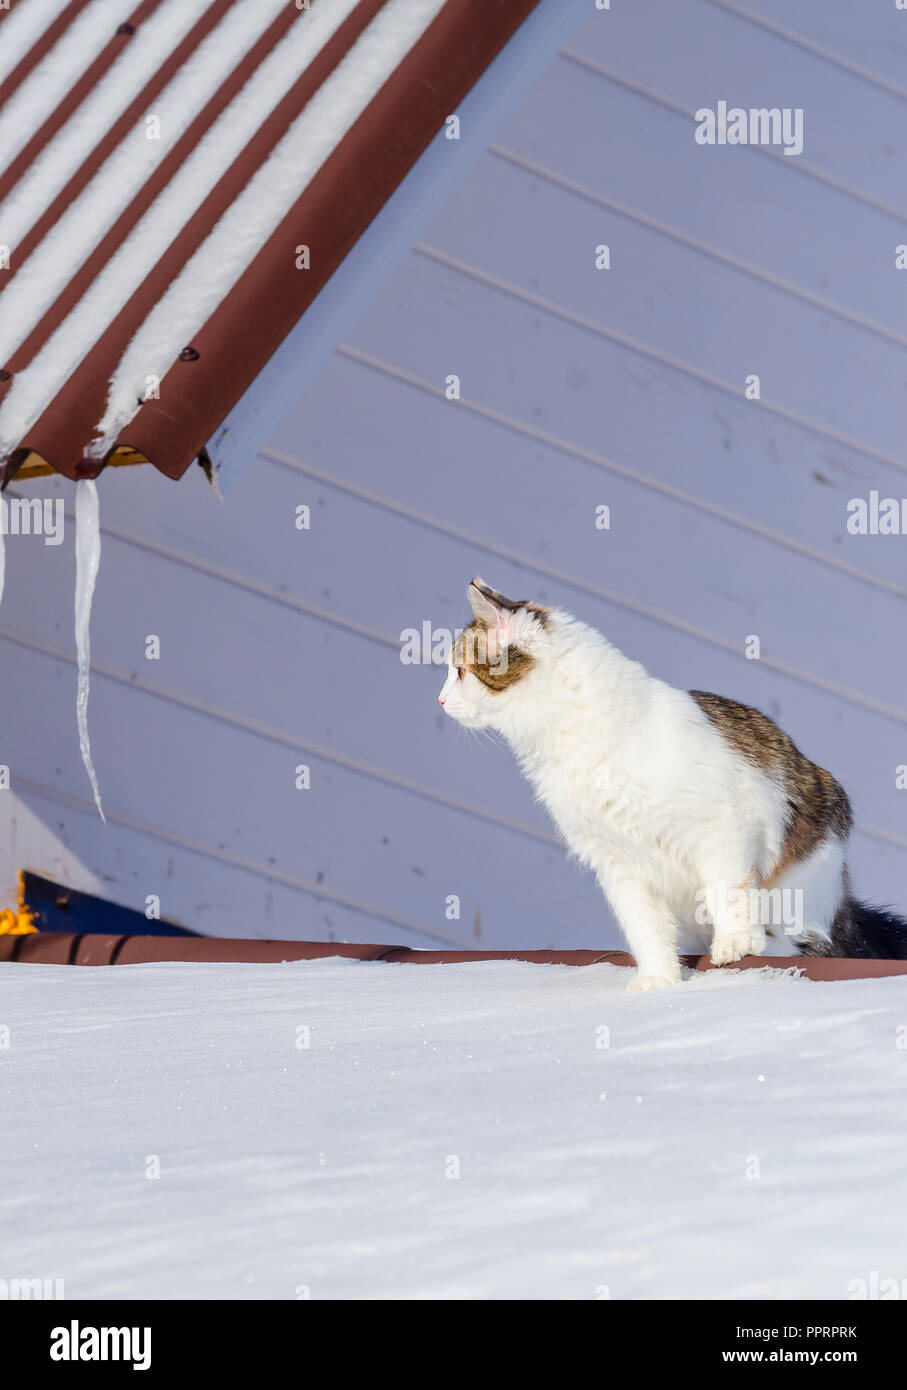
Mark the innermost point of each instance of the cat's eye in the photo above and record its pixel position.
(461, 672)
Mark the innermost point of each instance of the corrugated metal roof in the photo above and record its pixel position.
(162, 167)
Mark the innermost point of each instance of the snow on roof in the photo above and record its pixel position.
(178, 180)
(343, 1129)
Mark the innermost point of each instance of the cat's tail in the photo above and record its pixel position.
(864, 931)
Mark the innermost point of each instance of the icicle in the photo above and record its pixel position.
(88, 558)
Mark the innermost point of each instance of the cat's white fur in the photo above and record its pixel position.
(648, 794)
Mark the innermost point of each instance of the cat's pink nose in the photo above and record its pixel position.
(440, 699)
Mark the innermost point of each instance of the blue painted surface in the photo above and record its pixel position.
(78, 913)
(580, 387)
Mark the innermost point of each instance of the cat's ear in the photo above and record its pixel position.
(484, 608)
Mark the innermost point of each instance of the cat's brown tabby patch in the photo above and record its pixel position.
(817, 803)
(476, 653)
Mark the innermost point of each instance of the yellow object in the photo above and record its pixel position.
(20, 922)
(35, 466)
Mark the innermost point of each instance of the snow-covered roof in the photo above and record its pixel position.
(341, 1129)
(178, 180)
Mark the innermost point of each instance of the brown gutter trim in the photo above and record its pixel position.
(66, 948)
(63, 948)
(414, 957)
(330, 216)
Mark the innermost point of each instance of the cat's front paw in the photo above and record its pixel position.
(749, 942)
(640, 982)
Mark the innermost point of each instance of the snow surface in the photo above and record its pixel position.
(286, 1169)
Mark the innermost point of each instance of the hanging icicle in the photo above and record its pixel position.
(88, 558)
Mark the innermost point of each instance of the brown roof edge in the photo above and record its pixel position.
(211, 374)
(330, 215)
(63, 948)
(80, 401)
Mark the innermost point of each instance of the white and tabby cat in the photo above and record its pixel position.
(690, 809)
